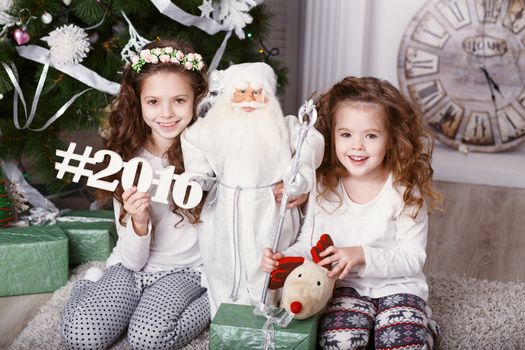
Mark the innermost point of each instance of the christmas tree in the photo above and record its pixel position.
(82, 41)
(6, 207)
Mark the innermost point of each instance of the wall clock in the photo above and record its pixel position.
(463, 63)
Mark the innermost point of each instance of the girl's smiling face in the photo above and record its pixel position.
(166, 100)
(361, 139)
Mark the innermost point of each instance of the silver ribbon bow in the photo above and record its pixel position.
(271, 313)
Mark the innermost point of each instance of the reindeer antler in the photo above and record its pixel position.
(324, 242)
(286, 265)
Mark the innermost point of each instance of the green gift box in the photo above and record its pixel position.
(91, 233)
(236, 327)
(32, 260)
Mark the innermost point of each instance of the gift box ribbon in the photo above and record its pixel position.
(271, 313)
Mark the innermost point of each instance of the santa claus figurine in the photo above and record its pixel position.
(247, 145)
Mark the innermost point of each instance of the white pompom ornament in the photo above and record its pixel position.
(66, 2)
(68, 44)
(46, 18)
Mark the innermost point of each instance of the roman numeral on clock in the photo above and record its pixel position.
(428, 93)
(447, 119)
(488, 10)
(430, 32)
(511, 123)
(455, 11)
(478, 130)
(420, 62)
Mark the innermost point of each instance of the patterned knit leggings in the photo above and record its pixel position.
(397, 321)
(163, 310)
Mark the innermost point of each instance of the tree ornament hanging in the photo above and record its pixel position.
(21, 36)
(46, 18)
(68, 44)
(66, 2)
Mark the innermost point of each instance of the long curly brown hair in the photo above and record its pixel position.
(409, 149)
(128, 133)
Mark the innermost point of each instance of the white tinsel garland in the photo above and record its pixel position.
(68, 44)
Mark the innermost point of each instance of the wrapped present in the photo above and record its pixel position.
(236, 327)
(32, 260)
(91, 233)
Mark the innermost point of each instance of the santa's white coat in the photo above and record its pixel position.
(240, 215)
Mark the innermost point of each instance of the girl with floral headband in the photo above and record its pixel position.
(151, 286)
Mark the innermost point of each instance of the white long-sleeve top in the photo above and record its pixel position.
(393, 242)
(169, 247)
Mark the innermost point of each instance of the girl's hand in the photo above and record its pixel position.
(269, 260)
(346, 258)
(137, 205)
(292, 201)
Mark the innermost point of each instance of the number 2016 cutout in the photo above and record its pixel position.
(146, 179)
(186, 193)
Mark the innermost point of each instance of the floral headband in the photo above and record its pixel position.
(191, 61)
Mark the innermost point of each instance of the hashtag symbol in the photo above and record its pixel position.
(69, 155)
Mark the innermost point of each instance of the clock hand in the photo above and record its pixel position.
(491, 87)
(492, 84)
(490, 80)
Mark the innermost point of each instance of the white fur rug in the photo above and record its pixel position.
(472, 314)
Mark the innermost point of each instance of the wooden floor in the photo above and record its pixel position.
(481, 234)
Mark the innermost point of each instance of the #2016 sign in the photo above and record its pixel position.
(186, 193)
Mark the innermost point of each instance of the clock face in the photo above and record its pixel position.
(463, 63)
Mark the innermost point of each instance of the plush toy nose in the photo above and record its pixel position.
(296, 307)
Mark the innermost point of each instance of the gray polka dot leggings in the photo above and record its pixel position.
(163, 310)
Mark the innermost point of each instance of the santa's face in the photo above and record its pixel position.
(249, 99)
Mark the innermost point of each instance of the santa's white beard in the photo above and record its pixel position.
(253, 147)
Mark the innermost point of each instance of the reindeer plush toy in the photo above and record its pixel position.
(306, 285)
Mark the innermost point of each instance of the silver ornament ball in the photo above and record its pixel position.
(46, 18)
(66, 2)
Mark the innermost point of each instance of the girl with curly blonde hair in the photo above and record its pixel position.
(374, 193)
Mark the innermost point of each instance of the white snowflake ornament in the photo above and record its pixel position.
(234, 14)
(206, 8)
(135, 43)
(68, 44)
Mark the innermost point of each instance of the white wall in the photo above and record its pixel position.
(362, 38)
(388, 21)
